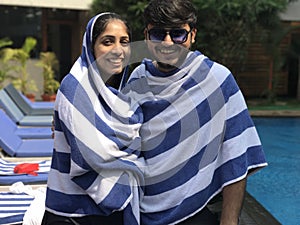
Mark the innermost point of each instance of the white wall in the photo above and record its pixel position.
(59, 4)
(292, 13)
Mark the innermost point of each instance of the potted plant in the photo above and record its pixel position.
(5, 68)
(48, 61)
(18, 58)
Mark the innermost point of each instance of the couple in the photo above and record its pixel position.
(157, 148)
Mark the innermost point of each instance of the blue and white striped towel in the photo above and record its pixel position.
(13, 207)
(197, 136)
(96, 167)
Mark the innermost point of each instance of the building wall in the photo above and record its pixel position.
(259, 75)
(59, 26)
(53, 4)
(57, 30)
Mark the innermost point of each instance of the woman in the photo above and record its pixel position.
(95, 175)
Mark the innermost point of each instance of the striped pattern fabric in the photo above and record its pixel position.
(197, 137)
(13, 207)
(95, 165)
(159, 149)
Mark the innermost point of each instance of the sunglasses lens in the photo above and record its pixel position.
(157, 34)
(178, 36)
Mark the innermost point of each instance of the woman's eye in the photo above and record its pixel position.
(125, 42)
(107, 42)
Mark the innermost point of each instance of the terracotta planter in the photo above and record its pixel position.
(31, 97)
(48, 98)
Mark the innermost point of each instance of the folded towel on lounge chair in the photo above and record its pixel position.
(13, 207)
(24, 132)
(8, 174)
(22, 205)
(18, 116)
(28, 107)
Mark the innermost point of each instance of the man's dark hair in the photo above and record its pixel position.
(170, 13)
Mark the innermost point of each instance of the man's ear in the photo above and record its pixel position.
(145, 33)
(194, 32)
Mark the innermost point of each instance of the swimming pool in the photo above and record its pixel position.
(277, 187)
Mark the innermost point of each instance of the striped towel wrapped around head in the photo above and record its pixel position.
(96, 168)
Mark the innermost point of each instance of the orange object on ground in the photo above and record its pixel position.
(27, 168)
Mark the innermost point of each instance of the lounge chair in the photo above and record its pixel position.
(13, 207)
(24, 132)
(13, 145)
(26, 106)
(13, 111)
(8, 176)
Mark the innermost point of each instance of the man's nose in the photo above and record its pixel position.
(168, 39)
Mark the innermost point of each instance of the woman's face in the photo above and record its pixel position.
(112, 48)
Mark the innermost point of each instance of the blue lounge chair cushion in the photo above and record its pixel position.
(24, 132)
(26, 106)
(39, 104)
(10, 107)
(13, 145)
(34, 132)
(18, 116)
(43, 121)
(35, 148)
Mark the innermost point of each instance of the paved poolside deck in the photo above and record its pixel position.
(275, 113)
(253, 213)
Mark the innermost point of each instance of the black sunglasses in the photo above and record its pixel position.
(178, 35)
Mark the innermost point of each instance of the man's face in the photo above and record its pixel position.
(169, 45)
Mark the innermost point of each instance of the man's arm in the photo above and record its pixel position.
(233, 197)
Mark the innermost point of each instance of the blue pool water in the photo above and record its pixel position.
(277, 186)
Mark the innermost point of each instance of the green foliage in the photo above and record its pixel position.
(16, 59)
(49, 62)
(4, 66)
(225, 28)
(131, 10)
(5, 42)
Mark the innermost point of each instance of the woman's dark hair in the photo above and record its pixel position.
(101, 24)
(170, 13)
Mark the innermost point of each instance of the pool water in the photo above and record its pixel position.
(277, 186)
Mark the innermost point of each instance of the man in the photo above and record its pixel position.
(198, 139)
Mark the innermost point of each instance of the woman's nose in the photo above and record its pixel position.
(118, 49)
